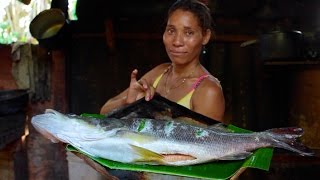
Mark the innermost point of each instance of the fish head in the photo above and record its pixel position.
(57, 126)
(49, 123)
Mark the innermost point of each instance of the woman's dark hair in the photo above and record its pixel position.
(200, 10)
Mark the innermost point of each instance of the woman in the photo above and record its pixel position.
(184, 80)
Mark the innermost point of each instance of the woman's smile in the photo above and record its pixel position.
(174, 52)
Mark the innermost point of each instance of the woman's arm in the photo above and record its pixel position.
(115, 102)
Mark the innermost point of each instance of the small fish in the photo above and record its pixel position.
(160, 142)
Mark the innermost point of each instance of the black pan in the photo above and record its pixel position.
(12, 101)
(159, 108)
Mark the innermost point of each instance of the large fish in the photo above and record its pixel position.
(160, 142)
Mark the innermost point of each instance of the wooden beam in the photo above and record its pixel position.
(158, 36)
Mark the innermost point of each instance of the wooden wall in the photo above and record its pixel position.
(41, 158)
(98, 63)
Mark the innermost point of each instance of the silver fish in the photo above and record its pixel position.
(160, 142)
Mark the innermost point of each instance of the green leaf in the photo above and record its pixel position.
(260, 159)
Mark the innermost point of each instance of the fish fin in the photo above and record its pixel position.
(220, 127)
(147, 155)
(286, 138)
(79, 148)
(238, 156)
(75, 144)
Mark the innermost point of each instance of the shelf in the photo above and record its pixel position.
(306, 62)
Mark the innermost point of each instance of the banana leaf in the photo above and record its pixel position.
(160, 107)
(260, 159)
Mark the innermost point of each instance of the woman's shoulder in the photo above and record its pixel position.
(209, 86)
(209, 94)
(213, 81)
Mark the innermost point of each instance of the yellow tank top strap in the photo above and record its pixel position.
(156, 82)
(186, 100)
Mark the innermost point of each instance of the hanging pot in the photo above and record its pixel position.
(281, 45)
(50, 28)
(276, 45)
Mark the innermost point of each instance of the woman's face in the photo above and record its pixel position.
(183, 37)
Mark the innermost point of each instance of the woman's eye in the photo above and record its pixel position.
(170, 31)
(189, 33)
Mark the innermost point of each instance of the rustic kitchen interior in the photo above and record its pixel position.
(266, 53)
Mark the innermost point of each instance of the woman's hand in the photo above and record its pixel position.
(136, 90)
(139, 89)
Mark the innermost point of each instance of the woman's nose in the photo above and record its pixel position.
(178, 40)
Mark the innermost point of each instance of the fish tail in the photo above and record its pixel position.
(286, 138)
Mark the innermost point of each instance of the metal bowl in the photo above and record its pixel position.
(47, 23)
(50, 28)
